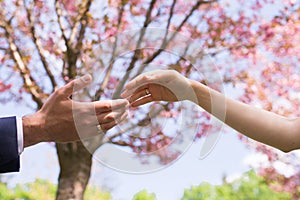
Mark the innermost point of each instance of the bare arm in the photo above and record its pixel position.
(260, 125)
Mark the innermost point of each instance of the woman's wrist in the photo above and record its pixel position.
(203, 94)
(195, 85)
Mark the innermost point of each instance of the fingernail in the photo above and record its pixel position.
(87, 78)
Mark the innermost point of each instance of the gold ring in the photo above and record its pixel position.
(147, 91)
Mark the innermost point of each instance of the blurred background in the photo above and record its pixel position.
(245, 49)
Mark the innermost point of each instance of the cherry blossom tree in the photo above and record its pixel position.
(270, 80)
(45, 44)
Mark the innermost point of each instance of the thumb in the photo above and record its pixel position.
(82, 82)
(76, 85)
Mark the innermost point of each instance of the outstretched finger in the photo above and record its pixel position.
(139, 93)
(111, 124)
(111, 116)
(142, 101)
(104, 106)
(75, 85)
(129, 92)
(137, 82)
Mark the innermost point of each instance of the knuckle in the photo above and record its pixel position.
(59, 92)
(147, 77)
(106, 105)
(110, 118)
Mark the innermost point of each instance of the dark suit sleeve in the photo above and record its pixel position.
(9, 156)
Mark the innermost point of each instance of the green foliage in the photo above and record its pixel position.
(30, 191)
(144, 195)
(44, 189)
(92, 193)
(5, 194)
(250, 186)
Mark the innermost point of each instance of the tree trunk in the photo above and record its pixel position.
(75, 167)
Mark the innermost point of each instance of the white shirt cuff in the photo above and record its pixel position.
(20, 135)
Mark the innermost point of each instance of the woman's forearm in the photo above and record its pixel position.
(258, 124)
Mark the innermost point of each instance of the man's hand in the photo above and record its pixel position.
(63, 120)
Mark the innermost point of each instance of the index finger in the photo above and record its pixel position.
(110, 105)
(127, 93)
(138, 82)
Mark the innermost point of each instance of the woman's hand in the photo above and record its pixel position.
(159, 85)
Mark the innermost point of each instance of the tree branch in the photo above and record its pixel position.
(195, 7)
(119, 143)
(137, 51)
(63, 32)
(111, 62)
(73, 51)
(166, 41)
(170, 18)
(29, 82)
(80, 24)
(39, 47)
